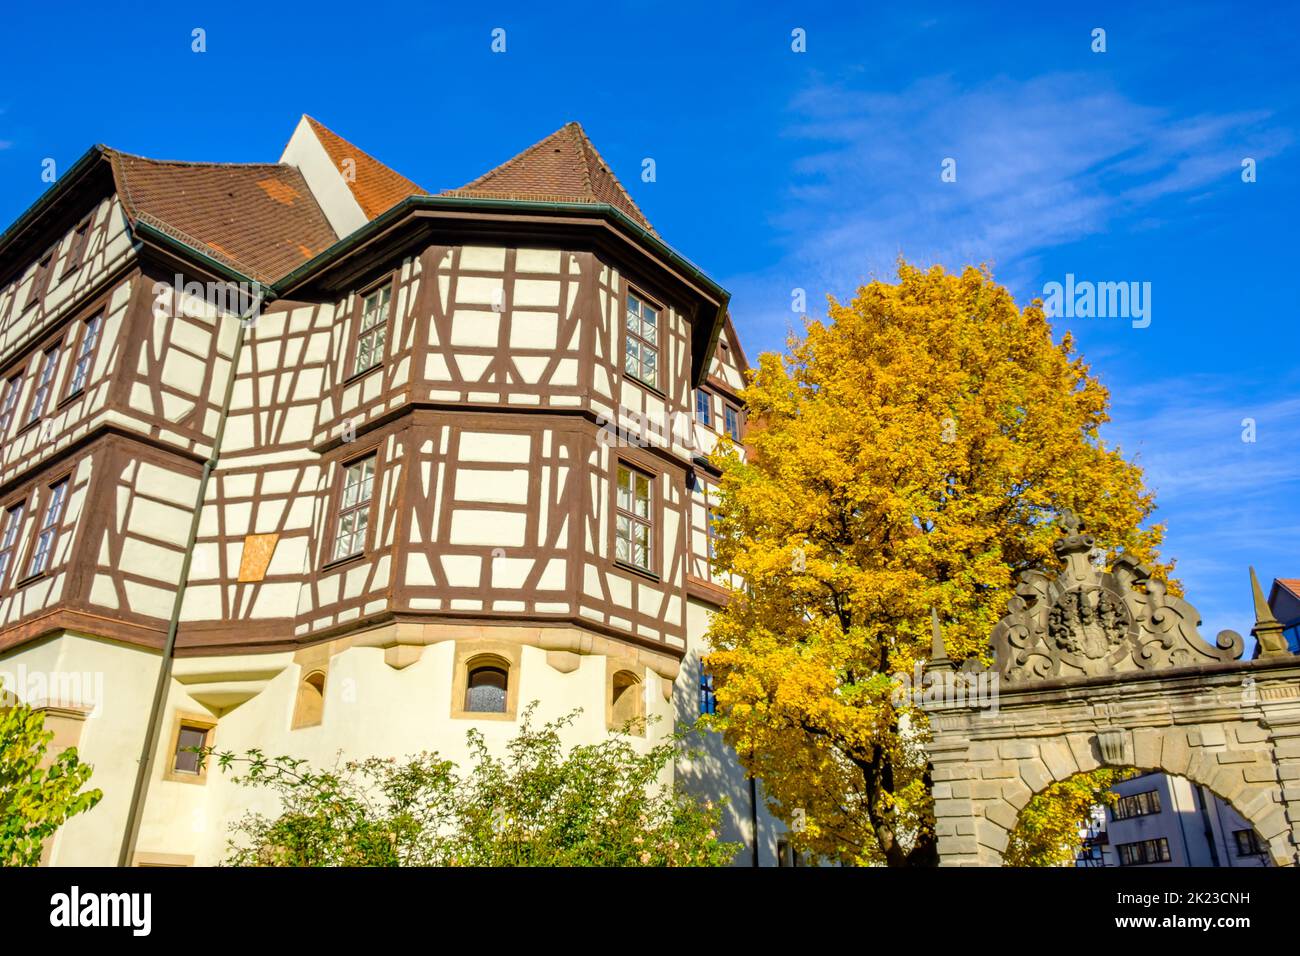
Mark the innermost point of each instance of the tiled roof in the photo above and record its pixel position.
(262, 219)
(1291, 584)
(375, 187)
(259, 218)
(563, 167)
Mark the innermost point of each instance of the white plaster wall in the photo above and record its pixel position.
(370, 709)
(111, 737)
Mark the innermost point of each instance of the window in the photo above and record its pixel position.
(78, 249)
(708, 699)
(9, 402)
(732, 421)
(486, 680)
(39, 280)
(626, 704)
(1136, 805)
(786, 855)
(703, 407)
(49, 528)
(632, 518)
(354, 509)
(1247, 843)
(641, 346)
(190, 733)
(486, 690)
(44, 382)
(13, 520)
(372, 330)
(1292, 635)
(309, 708)
(85, 352)
(1143, 852)
(185, 760)
(711, 516)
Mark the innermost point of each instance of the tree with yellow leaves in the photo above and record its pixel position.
(1048, 830)
(911, 453)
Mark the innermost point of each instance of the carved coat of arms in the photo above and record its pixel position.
(1087, 621)
(1091, 622)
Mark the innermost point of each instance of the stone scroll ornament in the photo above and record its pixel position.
(1086, 621)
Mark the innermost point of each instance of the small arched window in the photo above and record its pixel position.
(627, 702)
(486, 690)
(309, 709)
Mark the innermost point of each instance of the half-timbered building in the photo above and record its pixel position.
(300, 456)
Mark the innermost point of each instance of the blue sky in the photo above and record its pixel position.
(814, 170)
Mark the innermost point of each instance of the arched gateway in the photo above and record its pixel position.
(1098, 669)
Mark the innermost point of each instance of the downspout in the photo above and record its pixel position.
(135, 815)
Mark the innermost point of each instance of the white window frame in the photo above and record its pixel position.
(629, 517)
(359, 482)
(372, 328)
(641, 338)
(49, 532)
(85, 353)
(44, 384)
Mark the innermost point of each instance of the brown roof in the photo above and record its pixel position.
(1291, 584)
(563, 167)
(375, 187)
(259, 218)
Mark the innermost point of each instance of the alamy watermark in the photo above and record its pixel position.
(630, 428)
(205, 300)
(1102, 300)
(83, 689)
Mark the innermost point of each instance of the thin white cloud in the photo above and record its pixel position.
(1040, 163)
(1227, 503)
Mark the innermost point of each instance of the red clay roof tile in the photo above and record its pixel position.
(375, 187)
(259, 217)
(563, 167)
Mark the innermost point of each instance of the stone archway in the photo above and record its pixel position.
(1098, 669)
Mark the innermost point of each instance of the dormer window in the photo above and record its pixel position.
(372, 330)
(641, 345)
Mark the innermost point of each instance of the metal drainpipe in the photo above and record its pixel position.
(139, 793)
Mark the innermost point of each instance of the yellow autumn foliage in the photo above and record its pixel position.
(912, 452)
